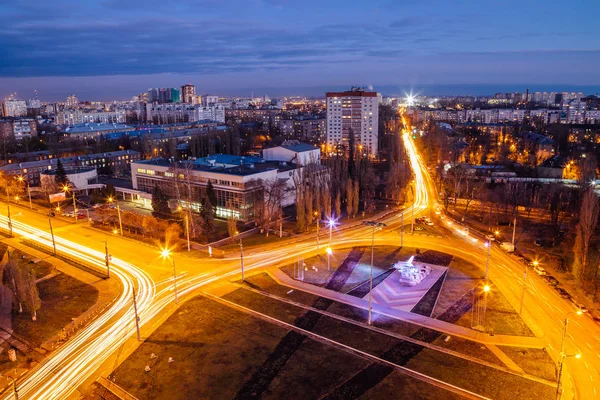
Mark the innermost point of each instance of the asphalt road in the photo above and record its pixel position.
(140, 267)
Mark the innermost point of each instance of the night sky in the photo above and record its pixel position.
(113, 49)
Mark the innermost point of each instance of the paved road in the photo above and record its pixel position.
(139, 267)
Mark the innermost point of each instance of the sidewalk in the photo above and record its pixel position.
(501, 340)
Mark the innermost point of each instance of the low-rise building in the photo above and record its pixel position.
(236, 181)
(92, 130)
(79, 178)
(117, 160)
(74, 117)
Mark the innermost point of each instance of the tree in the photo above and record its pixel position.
(356, 197)
(300, 212)
(160, 203)
(210, 194)
(21, 281)
(349, 198)
(338, 205)
(207, 217)
(60, 176)
(231, 227)
(588, 219)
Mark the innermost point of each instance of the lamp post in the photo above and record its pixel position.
(110, 200)
(9, 220)
(514, 230)
(137, 319)
(560, 370)
(535, 264)
(374, 225)
(329, 250)
(318, 228)
(242, 259)
(15, 390)
(166, 254)
(52, 234)
(107, 258)
(487, 260)
(402, 229)
(21, 179)
(66, 189)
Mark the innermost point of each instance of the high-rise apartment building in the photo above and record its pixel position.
(72, 101)
(353, 113)
(188, 94)
(14, 108)
(163, 95)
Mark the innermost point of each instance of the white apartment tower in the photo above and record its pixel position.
(355, 111)
(72, 101)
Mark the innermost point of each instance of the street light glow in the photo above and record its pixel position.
(577, 355)
(110, 199)
(329, 251)
(331, 222)
(486, 288)
(165, 253)
(579, 312)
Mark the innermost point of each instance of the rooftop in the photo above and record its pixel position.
(299, 147)
(244, 167)
(95, 127)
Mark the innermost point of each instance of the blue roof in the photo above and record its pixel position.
(216, 159)
(95, 127)
(300, 147)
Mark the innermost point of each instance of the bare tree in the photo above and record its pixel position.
(588, 220)
(356, 197)
(338, 205)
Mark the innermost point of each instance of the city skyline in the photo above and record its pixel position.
(101, 52)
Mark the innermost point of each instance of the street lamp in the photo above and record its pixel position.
(318, 227)
(378, 226)
(110, 200)
(21, 179)
(561, 361)
(66, 189)
(488, 244)
(15, 390)
(331, 224)
(166, 254)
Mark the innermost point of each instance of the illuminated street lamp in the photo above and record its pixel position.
(561, 361)
(14, 381)
(110, 200)
(166, 254)
(487, 244)
(21, 179)
(66, 189)
(331, 224)
(378, 226)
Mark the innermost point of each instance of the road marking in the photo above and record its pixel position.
(589, 345)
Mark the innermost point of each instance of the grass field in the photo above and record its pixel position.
(63, 298)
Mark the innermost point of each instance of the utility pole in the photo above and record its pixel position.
(120, 222)
(107, 258)
(137, 319)
(74, 207)
(14, 381)
(9, 221)
(175, 281)
(524, 289)
(242, 259)
(187, 231)
(378, 225)
(487, 260)
(514, 230)
(402, 229)
(318, 230)
(52, 234)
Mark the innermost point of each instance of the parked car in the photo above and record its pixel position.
(490, 237)
(51, 214)
(419, 228)
(550, 280)
(538, 242)
(539, 270)
(563, 293)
